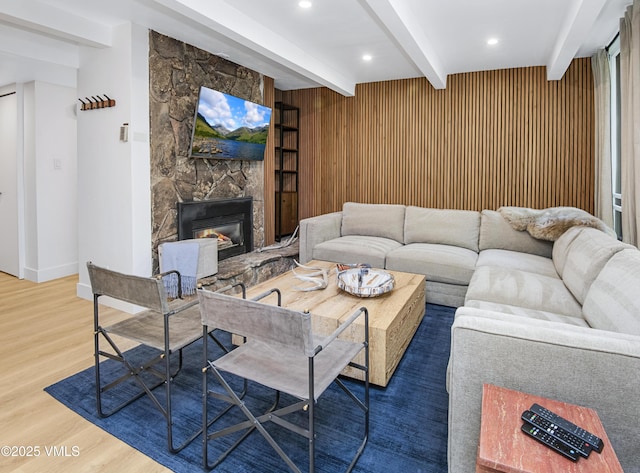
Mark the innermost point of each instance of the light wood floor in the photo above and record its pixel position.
(45, 336)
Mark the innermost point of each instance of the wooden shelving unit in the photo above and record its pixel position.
(287, 121)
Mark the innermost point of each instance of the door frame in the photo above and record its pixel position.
(18, 90)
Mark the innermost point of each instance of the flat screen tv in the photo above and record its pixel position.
(228, 127)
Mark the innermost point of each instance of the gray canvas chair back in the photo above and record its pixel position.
(271, 324)
(145, 292)
(279, 353)
(168, 327)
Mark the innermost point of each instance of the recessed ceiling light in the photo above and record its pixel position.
(367, 57)
(492, 41)
(304, 4)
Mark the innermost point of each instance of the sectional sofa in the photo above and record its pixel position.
(559, 319)
(444, 245)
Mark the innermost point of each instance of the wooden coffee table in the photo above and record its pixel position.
(393, 317)
(504, 448)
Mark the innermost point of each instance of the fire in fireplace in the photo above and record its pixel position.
(228, 220)
(224, 241)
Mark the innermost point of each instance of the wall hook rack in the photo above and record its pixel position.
(97, 102)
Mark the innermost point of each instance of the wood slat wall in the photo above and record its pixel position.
(491, 138)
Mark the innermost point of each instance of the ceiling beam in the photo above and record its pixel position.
(575, 30)
(21, 43)
(45, 18)
(231, 23)
(405, 28)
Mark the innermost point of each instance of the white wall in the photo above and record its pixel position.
(141, 153)
(114, 202)
(50, 177)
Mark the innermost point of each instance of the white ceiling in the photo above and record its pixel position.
(322, 45)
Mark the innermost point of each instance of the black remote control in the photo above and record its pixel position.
(596, 443)
(550, 441)
(582, 447)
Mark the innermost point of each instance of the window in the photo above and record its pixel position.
(614, 68)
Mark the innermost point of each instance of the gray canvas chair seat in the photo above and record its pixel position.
(282, 353)
(148, 328)
(282, 369)
(166, 326)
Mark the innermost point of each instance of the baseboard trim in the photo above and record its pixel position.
(49, 274)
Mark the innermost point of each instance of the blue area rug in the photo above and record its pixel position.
(408, 430)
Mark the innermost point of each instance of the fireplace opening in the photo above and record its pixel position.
(230, 221)
(228, 236)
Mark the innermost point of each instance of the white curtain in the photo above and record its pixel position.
(602, 85)
(630, 122)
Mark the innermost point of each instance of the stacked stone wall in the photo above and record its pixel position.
(176, 72)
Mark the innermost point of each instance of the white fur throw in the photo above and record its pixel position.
(549, 224)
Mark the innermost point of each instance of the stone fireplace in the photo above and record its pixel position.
(230, 221)
(176, 72)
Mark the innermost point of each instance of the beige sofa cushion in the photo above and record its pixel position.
(496, 232)
(353, 249)
(516, 260)
(561, 248)
(528, 313)
(315, 230)
(376, 220)
(441, 263)
(523, 289)
(448, 227)
(613, 301)
(586, 256)
(451, 295)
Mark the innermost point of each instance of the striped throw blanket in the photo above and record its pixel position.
(182, 257)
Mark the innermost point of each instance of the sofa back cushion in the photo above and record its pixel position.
(497, 233)
(561, 248)
(445, 227)
(589, 251)
(378, 220)
(613, 301)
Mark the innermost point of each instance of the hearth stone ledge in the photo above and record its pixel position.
(252, 268)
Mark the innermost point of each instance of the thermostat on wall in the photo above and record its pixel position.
(124, 132)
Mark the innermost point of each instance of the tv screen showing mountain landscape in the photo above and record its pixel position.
(228, 127)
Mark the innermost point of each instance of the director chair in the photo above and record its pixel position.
(166, 326)
(282, 353)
